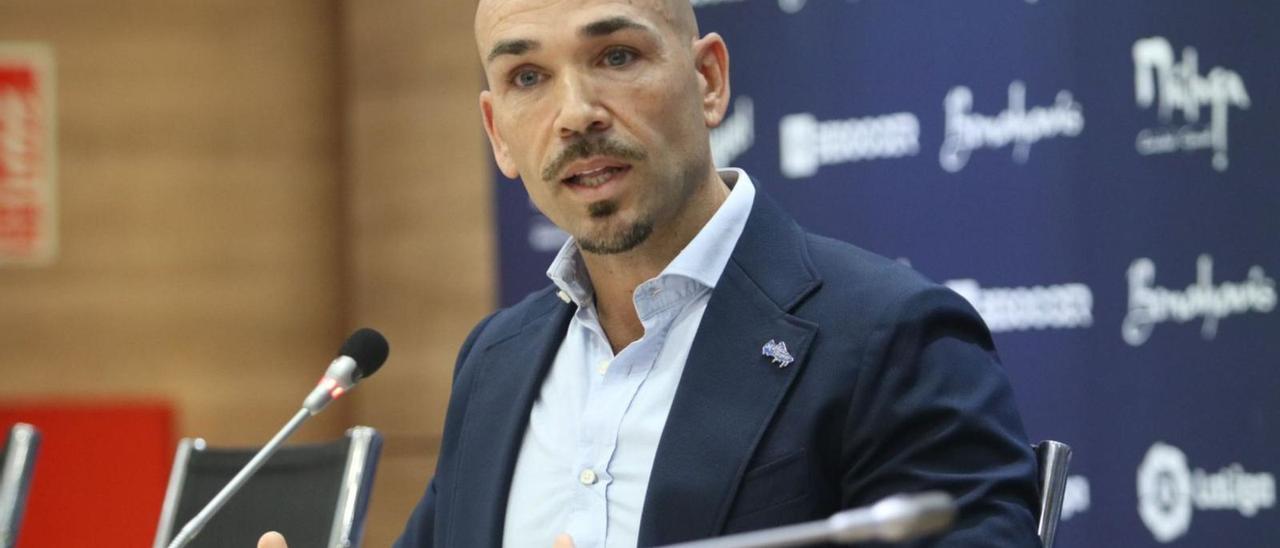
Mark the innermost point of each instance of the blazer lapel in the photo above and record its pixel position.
(512, 371)
(730, 390)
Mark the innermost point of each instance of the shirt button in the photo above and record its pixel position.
(587, 477)
(603, 367)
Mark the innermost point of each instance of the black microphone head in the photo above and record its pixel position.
(368, 348)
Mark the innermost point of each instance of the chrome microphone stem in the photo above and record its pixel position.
(193, 527)
(894, 519)
(802, 534)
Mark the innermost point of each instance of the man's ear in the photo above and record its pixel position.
(501, 154)
(711, 60)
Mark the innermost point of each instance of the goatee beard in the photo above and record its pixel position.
(619, 242)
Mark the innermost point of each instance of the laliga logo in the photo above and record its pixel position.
(1181, 88)
(1169, 491)
(1017, 126)
(1164, 492)
(1150, 304)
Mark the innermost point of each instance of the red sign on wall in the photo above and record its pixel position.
(28, 211)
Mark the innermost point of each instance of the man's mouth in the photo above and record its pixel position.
(595, 177)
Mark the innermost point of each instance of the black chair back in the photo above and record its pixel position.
(316, 495)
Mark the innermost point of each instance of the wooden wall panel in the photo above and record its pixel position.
(420, 224)
(241, 183)
(198, 151)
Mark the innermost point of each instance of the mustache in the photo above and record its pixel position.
(583, 148)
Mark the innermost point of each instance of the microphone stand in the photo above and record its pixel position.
(193, 527)
(365, 346)
(894, 519)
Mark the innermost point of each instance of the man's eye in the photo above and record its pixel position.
(526, 78)
(618, 57)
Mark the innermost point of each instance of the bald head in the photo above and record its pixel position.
(677, 15)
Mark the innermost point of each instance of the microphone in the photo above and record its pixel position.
(894, 519)
(361, 356)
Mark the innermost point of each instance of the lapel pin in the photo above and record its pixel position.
(777, 351)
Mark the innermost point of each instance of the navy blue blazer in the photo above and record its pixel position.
(895, 388)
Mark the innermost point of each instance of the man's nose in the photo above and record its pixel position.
(581, 112)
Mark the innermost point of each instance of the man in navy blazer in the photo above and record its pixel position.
(887, 383)
(816, 377)
(895, 388)
(820, 376)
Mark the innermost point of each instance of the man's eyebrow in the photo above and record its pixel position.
(512, 47)
(605, 27)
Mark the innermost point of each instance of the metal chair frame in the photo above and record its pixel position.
(15, 479)
(1053, 458)
(353, 495)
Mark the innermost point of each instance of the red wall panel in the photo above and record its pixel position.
(100, 473)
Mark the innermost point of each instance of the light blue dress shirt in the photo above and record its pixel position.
(584, 463)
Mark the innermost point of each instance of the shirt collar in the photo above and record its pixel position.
(702, 260)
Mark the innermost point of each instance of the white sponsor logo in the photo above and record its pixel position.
(20, 124)
(1180, 88)
(1169, 491)
(736, 133)
(1150, 304)
(702, 3)
(1064, 306)
(545, 237)
(1164, 492)
(788, 6)
(1016, 126)
(808, 143)
(791, 6)
(1075, 498)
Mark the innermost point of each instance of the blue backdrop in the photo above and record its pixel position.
(1100, 179)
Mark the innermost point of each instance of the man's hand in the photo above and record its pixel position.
(562, 541)
(276, 540)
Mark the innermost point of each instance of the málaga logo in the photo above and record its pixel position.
(1177, 87)
(1169, 491)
